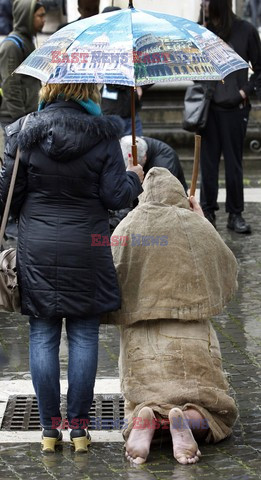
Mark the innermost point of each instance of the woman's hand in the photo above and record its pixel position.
(135, 168)
(194, 205)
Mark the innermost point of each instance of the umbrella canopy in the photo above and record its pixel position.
(132, 47)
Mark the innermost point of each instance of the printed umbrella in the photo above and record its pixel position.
(131, 47)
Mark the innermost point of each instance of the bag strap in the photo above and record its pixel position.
(11, 189)
(15, 39)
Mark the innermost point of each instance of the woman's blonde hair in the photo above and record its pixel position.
(76, 91)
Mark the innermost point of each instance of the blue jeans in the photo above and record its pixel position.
(45, 336)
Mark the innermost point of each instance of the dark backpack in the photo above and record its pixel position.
(19, 43)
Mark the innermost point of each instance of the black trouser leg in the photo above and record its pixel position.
(233, 124)
(225, 132)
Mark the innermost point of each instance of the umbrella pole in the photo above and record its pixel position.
(195, 164)
(133, 127)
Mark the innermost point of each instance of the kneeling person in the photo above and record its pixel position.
(170, 361)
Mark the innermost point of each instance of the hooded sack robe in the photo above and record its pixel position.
(151, 285)
(169, 353)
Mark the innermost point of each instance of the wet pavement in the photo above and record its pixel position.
(239, 331)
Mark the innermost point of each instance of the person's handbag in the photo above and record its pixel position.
(9, 291)
(196, 105)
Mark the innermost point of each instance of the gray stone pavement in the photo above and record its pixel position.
(239, 331)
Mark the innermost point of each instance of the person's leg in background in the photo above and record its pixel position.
(45, 335)
(83, 336)
(233, 125)
(209, 167)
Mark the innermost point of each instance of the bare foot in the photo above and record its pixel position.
(185, 448)
(138, 443)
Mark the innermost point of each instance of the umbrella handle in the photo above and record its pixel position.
(195, 164)
(133, 127)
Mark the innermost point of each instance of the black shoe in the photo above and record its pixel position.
(80, 440)
(237, 223)
(211, 217)
(51, 438)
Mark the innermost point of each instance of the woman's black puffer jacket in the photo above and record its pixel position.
(71, 172)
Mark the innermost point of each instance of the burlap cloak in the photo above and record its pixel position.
(179, 275)
(192, 276)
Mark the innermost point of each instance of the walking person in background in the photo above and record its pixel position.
(20, 92)
(228, 116)
(71, 172)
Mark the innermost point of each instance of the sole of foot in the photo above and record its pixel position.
(185, 448)
(139, 441)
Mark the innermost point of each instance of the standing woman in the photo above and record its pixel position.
(71, 172)
(228, 115)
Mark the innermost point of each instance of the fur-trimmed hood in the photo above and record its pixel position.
(64, 130)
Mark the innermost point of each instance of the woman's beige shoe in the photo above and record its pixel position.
(80, 440)
(50, 439)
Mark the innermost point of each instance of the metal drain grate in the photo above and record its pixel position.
(21, 413)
